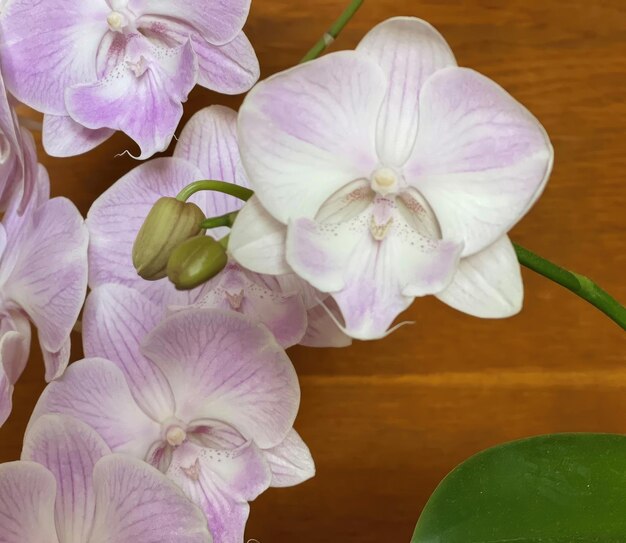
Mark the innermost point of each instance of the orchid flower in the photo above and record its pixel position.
(209, 398)
(43, 277)
(387, 173)
(207, 149)
(93, 67)
(69, 488)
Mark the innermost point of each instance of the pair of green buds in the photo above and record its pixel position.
(172, 243)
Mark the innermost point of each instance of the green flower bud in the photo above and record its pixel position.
(169, 223)
(195, 261)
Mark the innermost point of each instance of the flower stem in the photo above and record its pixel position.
(578, 284)
(223, 220)
(218, 186)
(333, 31)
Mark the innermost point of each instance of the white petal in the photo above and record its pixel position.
(257, 240)
(27, 495)
(409, 50)
(480, 159)
(487, 284)
(290, 461)
(307, 132)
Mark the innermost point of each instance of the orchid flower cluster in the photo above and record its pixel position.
(343, 189)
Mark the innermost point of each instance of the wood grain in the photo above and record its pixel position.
(387, 420)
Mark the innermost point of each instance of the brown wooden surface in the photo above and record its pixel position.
(387, 420)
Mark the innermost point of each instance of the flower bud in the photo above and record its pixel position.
(169, 223)
(195, 261)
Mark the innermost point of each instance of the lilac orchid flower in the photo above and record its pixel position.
(93, 67)
(209, 398)
(43, 277)
(387, 173)
(69, 488)
(207, 149)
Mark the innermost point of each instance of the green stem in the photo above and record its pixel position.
(223, 220)
(218, 186)
(333, 31)
(578, 284)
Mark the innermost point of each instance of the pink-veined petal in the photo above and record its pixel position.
(487, 284)
(219, 22)
(95, 391)
(409, 50)
(49, 45)
(135, 503)
(480, 159)
(307, 132)
(63, 137)
(116, 319)
(49, 275)
(117, 215)
(27, 495)
(69, 449)
(221, 482)
(257, 240)
(141, 96)
(223, 366)
(290, 461)
(56, 361)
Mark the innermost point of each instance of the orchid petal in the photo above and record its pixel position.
(219, 22)
(409, 50)
(51, 242)
(154, 96)
(137, 504)
(49, 45)
(487, 284)
(117, 215)
(480, 158)
(306, 132)
(95, 392)
(209, 141)
(63, 136)
(69, 449)
(221, 482)
(56, 361)
(221, 365)
(257, 240)
(115, 321)
(290, 461)
(27, 495)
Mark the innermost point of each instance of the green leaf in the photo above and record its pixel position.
(563, 488)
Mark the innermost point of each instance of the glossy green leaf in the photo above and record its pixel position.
(563, 488)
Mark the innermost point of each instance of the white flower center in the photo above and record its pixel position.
(117, 21)
(175, 436)
(385, 181)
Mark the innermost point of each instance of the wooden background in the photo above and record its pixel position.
(387, 420)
